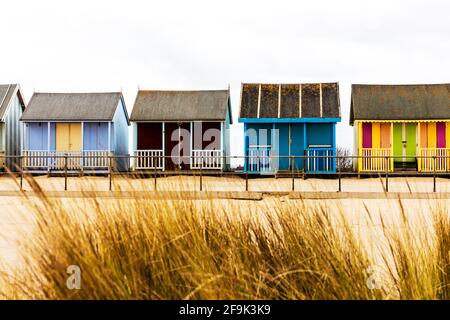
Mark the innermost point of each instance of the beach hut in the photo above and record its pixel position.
(284, 121)
(86, 128)
(407, 123)
(181, 130)
(11, 107)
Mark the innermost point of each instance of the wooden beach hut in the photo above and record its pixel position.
(410, 124)
(284, 121)
(85, 127)
(181, 130)
(11, 107)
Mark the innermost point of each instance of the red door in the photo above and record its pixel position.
(149, 136)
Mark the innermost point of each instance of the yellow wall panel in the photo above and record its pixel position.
(376, 135)
(447, 135)
(431, 135)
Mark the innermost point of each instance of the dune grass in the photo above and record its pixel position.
(183, 249)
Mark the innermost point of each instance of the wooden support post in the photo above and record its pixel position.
(65, 172)
(292, 173)
(387, 174)
(434, 173)
(21, 173)
(201, 174)
(110, 172)
(338, 162)
(246, 172)
(154, 173)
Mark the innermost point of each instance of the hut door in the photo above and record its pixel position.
(404, 142)
(68, 136)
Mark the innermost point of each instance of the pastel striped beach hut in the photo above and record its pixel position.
(85, 127)
(290, 126)
(12, 105)
(408, 123)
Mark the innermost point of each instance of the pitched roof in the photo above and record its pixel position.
(73, 106)
(7, 92)
(308, 100)
(205, 105)
(400, 102)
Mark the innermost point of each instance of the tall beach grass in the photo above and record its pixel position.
(173, 248)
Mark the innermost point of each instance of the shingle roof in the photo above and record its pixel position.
(72, 106)
(205, 105)
(400, 102)
(310, 100)
(7, 92)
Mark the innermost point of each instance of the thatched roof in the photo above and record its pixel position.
(400, 102)
(308, 100)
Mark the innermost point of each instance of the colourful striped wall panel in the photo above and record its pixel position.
(423, 135)
(440, 135)
(367, 135)
(385, 135)
(376, 135)
(431, 135)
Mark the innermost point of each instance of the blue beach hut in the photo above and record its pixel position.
(282, 121)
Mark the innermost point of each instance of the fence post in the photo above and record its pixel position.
(201, 173)
(154, 173)
(292, 174)
(338, 161)
(434, 173)
(246, 172)
(387, 174)
(110, 167)
(21, 173)
(65, 172)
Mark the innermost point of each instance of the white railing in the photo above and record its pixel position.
(36, 159)
(95, 159)
(259, 159)
(320, 159)
(434, 160)
(206, 159)
(149, 159)
(373, 160)
(56, 160)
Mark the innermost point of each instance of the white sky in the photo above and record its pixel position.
(112, 45)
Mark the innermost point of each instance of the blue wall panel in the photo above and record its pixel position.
(319, 134)
(95, 136)
(283, 145)
(297, 145)
(37, 136)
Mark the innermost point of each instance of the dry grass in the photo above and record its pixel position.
(180, 249)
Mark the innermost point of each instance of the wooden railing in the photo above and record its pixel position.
(259, 159)
(95, 159)
(320, 159)
(149, 159)
(57, 160)
(373, 160)
(434, 160)
(207, 159)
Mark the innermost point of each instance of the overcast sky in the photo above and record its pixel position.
(112, 45)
